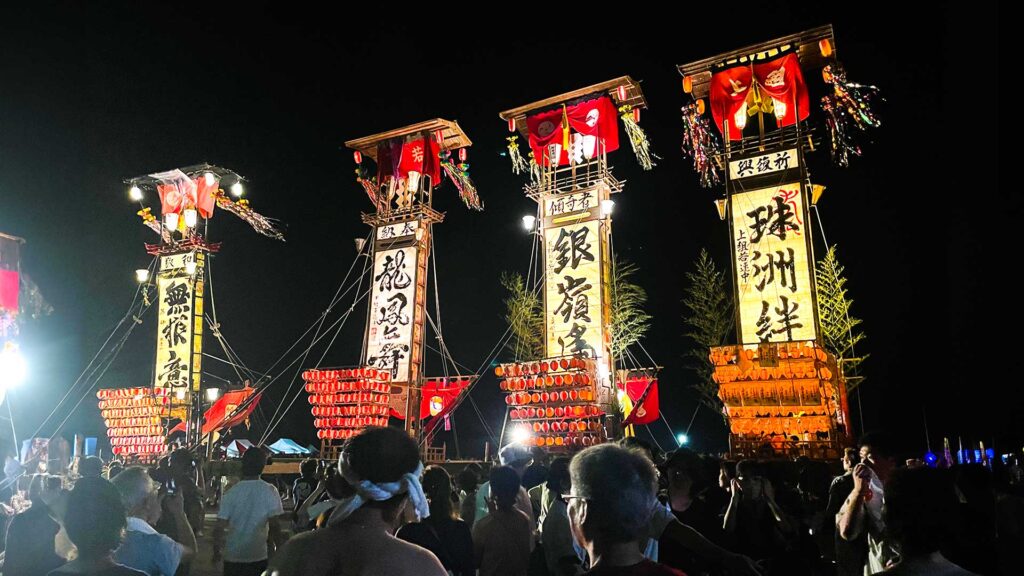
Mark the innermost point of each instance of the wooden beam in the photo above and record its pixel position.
(634, 98)
(805, 43)
(452, 134)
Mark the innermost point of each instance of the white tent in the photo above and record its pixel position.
(238, 447)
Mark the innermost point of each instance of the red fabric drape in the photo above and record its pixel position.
(9, 282)
(177, 192)
(728, 91)
(783, 80)
(205, 199)
(216, 416)
(421, 158)
(546, 128)
(780, 79)
(594, 117)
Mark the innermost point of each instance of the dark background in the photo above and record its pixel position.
(90, 96)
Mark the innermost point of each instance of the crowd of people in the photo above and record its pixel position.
(617, 509)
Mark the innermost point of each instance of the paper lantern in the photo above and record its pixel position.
(825, 47)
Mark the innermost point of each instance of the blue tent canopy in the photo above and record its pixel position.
(290, 447)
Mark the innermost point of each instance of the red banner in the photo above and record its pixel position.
(645, 409)
(216, 416)
(420, 158)
(728, 91)
(205, 196)
(783, 80)
(9, 290)
(437, 397)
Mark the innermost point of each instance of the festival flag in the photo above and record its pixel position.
(438, 397)
(643, 394)
(218, 416)
(206, 196)
(177, 191)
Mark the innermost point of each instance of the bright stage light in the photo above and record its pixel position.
(528, 222)
(237, 189)
(13, 368)
(210, 179)
(142, 275)
(682, 439)
(606, 208)
(212, 394)
(191, 217)
(521, 435)
(135, 194)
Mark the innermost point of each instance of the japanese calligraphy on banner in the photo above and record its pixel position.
(772, 265)
(177, 261)
(398, 230)
(763, 164)
(573, 301)
(390, 343)
(179, 328)
(570, 203)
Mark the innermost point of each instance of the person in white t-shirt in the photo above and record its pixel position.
(519, 459)
(249, 511)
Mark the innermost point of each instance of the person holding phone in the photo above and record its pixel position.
(861, 514)
(849, 555)
(754, 522)
(144, 548)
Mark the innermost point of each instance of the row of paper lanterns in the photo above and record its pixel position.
(105, 393)
(354, 398)
(346, 374)
(357, 422)
(137, 441)
(138, 412)
(544, 366)
(521, 398)
(549, 381)
(333, 387)
(554, 412)
(133, 402)
(130, 422)
(358, 410)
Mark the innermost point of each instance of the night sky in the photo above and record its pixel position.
(89, 97)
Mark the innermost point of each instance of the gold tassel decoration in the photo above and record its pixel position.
(637, 138)
(519, 164)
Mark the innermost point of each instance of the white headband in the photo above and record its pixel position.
(367, 491)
